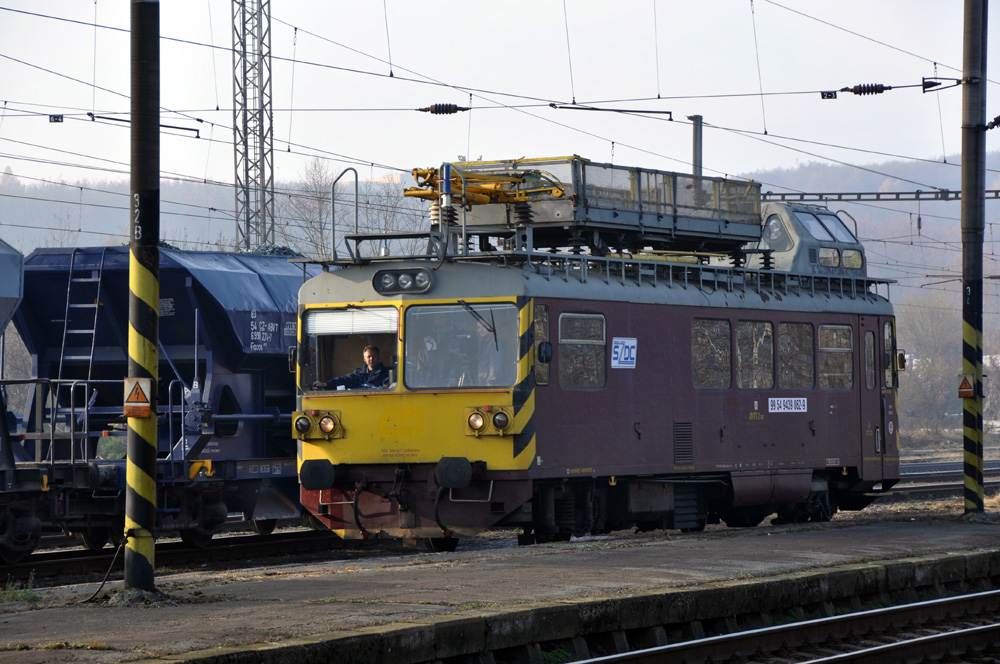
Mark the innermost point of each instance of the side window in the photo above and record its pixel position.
(871, 377)
(754, 355)
(582, 351)
(795, 356)
(836, 357)
(889, 354)
(711, 354)
(542, 369)
(334, 340)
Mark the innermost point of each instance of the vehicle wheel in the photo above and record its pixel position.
(745, 518)
(700, 528)
(441, 544)
(313, 522)
(18, 536)
(824, 509)
(9, 557)
(196, 538)
(94, 539)
(263, 526)
(543, 536)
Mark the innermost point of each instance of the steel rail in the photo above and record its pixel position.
(923, 648)
(749, 643)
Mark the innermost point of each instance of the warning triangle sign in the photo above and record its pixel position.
(965, 390)
(137, 395)
(137, 391)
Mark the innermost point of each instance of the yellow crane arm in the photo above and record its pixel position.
(482, 188)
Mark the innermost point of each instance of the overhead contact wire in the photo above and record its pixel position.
(760, 79)
(569, 53)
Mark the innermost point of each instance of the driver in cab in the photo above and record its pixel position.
(370, 374)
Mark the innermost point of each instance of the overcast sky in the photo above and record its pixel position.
(333, 95)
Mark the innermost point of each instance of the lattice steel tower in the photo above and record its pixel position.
(253, 133)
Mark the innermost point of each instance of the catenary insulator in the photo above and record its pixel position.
(435, 213)
(868, 89)
(443, 109)
(523, 213)
(768, 263)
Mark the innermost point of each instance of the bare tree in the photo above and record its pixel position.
(303, 212)
(382, 208)
(930, 329)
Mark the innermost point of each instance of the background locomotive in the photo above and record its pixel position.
(226, 393)
(584, 347)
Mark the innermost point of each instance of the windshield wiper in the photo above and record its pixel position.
(490, 326)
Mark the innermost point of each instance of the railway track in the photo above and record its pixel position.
(939, 479)
(58, 560)
(64, 564)
(963, 628)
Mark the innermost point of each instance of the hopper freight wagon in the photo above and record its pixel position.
(223, 396)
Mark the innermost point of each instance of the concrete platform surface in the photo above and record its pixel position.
(272, 604)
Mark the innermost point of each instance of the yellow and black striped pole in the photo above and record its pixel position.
(972, 406)
(144, 291)
(973, 223)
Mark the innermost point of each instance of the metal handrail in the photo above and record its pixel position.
(333, 215)
(47, 389)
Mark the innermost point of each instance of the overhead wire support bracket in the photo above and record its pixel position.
(94, 118)
(578, 107)
(935, 83)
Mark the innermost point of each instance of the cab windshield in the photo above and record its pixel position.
(460, 345)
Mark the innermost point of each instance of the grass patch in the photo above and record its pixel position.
(556, 656)
(65, 645)
(62, 645)
(15, 591)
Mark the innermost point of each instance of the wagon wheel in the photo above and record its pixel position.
(824, 508)
(196, 538)
(93, 538)
(263, 526)
(15, 542)
(745, 518)
(700, 528)
(441, 544)
(9, 556)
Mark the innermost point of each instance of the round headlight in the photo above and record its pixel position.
(327, 424)
(388, 281)
(406, 281)
(303, 424)
(422, 279)
(500, 420)
(476, 421)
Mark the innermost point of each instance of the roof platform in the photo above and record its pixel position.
(572, 201)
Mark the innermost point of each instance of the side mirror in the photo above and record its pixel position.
(543, 352)
(901, 361)
(293, 358)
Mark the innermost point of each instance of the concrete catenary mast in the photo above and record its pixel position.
(973, 224)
